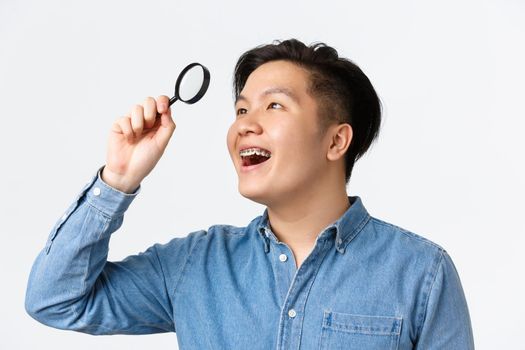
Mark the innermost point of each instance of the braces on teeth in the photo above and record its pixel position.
(251, 151)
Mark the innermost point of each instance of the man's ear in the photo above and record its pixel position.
(340, 139)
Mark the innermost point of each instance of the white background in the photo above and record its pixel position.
(448, 164)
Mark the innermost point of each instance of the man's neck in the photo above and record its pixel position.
(300, 221)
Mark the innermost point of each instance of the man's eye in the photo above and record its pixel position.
(241, 109)
(274, 103)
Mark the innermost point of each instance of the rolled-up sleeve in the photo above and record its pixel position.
(72, 285)
(446, 323)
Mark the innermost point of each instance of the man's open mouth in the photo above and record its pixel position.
(253, 156)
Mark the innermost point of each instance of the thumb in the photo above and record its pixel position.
(166, 129)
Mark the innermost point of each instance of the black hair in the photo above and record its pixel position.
(343, 92)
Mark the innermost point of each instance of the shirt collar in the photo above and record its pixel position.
(345, 228)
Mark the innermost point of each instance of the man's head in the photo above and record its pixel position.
(326, 118)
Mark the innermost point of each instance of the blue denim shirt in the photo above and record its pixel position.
(367, 284)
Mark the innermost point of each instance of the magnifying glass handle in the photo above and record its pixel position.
(172, 100)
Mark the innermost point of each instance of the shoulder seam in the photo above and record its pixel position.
(424, 315)
(409, 234)
(237, 230)
(165, 285)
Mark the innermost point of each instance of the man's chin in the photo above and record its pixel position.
(257, 195)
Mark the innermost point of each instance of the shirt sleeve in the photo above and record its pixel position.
(446, 323)
(73, 286)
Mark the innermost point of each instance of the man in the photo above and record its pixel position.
(315, 271)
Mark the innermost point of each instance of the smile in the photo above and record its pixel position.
(254, 156)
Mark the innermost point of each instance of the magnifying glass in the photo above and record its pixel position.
(191, 84)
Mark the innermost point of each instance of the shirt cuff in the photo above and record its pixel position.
(107, 199)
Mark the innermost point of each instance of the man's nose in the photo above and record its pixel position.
(249, 123)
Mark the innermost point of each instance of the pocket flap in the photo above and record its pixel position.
(364, 324)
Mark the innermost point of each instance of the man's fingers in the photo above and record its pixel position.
(137, 119)
(162, 103)
(150, 112)
(125, 125)
(116, 127)
(144, 116)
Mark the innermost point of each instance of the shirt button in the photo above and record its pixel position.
(340, 241)
(96, 191)
(292, 313)
(283, 257)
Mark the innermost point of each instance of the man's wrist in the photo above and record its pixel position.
(117, 182)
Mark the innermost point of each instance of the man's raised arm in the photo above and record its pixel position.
(71, 284)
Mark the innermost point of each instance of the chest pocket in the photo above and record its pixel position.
(360, 332)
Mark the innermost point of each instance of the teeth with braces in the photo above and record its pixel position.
(251, 151)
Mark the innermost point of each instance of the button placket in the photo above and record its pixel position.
(291, 320)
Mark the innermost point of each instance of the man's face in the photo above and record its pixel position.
(284, 125)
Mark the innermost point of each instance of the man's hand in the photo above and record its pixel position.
(136, 143)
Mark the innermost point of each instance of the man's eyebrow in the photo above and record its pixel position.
(274, 90)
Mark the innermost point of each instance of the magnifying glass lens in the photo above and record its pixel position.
(191, 83)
